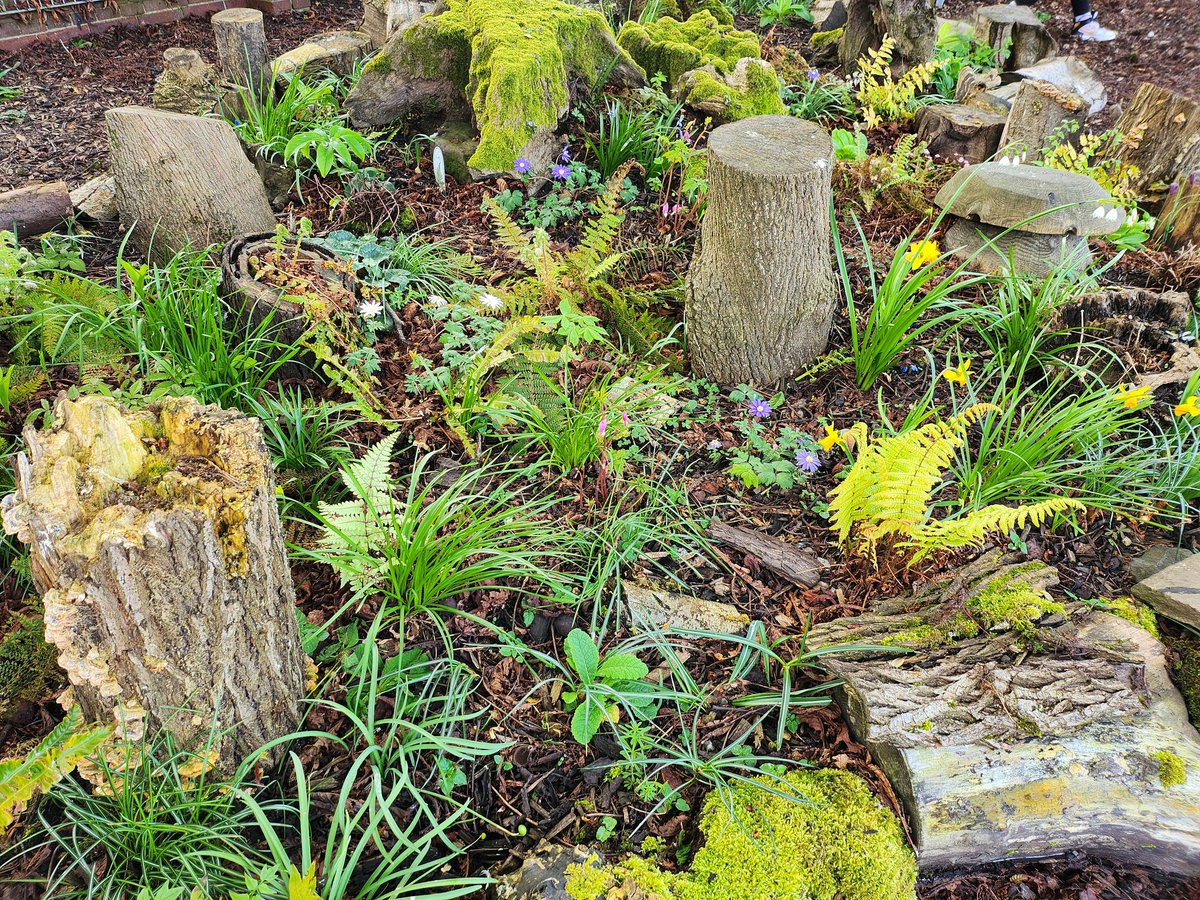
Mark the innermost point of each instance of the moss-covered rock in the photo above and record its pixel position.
(509, 63)
(1132, 611)
(1172, 770)
(682, 9)
(673, 47)
(833, 841)
(751, 89)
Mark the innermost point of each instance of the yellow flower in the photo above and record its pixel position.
(1188, 407)
(922, 252)
(1132, 396)
(832, 439)
(959, 375)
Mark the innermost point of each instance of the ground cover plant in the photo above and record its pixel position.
(553, 585)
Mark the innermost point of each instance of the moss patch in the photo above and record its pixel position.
(1172, 770)
(28, 665)
(752, 89)
(1132, 611)
(833, 841)
(1010, 604)
(673, 47)
(1187, 674)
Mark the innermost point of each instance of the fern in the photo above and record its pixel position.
(65, 321)
(46, 764)
(889, 489)
(18, 384)
(881, 96)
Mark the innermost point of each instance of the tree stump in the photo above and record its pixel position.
(187, 83)
(182, 180)
(242, 48)
(1179, 224)
(954, 131)
(1039, 110)
(35, 208)
(337, 51)
(760, 292)
(911, 23)
(1019, 727)
(1162, 132)
(1019, 28)
(155, 541)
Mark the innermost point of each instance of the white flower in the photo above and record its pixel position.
(1131, 219)
(491, 301)
(370, 309)
(1114, 214)
(437, 300)
(1005, 161)
(714, 444)
(1099, 213)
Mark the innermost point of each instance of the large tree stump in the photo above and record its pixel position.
(912, 24)
(182, 180)
(954, 131)
(35, 208)
(242, 48)
(1162, 131)
(1039, 111)
(1016, 28)
(760, 292)
(155, 541)
(1022, 728)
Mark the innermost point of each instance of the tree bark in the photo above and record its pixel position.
(911, 23)
(798, 565)
(760, 292)
(1162, 131)
(957, 132)
(1019, 28)
(35, 208)
(182, 180)
(155, 541)
(242, 48)
(1179, 224)
(1039, 110)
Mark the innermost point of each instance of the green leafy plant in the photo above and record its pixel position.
(760, 461)
(955, 51)
(269, 119)
(632, 132)
(329, 146)
(849, 146)
(404, 265)
(820, 98)
(882, 97)
(8, 92)
(566, 201)
(307, 441)
(783, 12)
(602, 686)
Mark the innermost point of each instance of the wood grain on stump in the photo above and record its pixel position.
(954, 131)
(1163, 138)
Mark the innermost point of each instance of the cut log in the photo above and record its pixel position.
(1020, 728)
(760, 292)
(1040, 111)
(975, 89)
(182, 180)
(912, 24)
(1162, 131)
(1015, 33)
(337, 51)
(665, 609)
(955, 132)
(383, 18)
(35, 208)
(1175, 591)
(798, 565)
(155, 541)
(242, 48)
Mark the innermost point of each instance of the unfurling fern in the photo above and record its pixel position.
(883, 98)
(890, 486)
(46, 764)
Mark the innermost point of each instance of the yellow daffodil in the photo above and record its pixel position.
(1131, 396)
(959, 375)
(922, 252)
(832, 439)
(1188, 407)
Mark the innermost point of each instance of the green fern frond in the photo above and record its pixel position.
(66, 321)
(970, 530)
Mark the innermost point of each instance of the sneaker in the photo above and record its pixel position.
(1090, 29)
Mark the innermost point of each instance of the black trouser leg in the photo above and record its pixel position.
(1081, 7)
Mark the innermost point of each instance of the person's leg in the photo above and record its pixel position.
(1087, 28)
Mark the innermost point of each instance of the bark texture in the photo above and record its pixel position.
(799, 565)
(187, 83)
(35, 208)
(1179, 224)
(1016, 27)
(338, 51)
(182, 180)
(911, 23)
(1163, 138)
(760, 291)
(155, 541)
(1039, 110)
(954, 131)
(1071, 738)
(242, 48)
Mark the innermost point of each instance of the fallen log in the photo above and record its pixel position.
(798, 565)
(35, 208)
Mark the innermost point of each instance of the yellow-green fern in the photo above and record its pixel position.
(882, 97)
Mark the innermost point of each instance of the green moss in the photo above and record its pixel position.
(1130, 610)
(28, 665)
(673, 47)
(1009, 603)
(1187, 674)
(825, 38)
(757, 95)
(587, 880)
(380, 62)
(1172, 770)
(833, 841)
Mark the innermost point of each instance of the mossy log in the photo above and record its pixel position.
(155, 541)
(1162, 132)
(760, 291)
(1015, 33)
(1021, 727)
(912, 24)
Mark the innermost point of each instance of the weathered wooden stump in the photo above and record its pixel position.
(1039, 110)
(187, 84)
(912, 24)
(182, 180)
(760, 292)
(338, 51)
(1016, 28)
(155, 541)
(96, 199)
(242, 48)
(1179, 224)
(954, 131)
(1164, 138)
(35, 208)
(1022, 728)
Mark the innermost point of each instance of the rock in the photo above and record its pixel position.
(1022, 728)
(954, 131)
(337, 51)
(673, 48)
(1069, 73)
(187, 84)
(96, 199)
(751, 89)
(1015, 33)
(383, 18)
(509, 65)
(668, 609)
(1174, 591)
(543, 874)
(828, 14)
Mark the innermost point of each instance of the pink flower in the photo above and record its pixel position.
(625, 418)
(603, 429)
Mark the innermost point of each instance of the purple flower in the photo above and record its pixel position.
(1194, 179)
(807, 461)
(561, 172)
(625, 418)
(760, 409)
(565, 156)
(813, 74)
(1173, 189)
(714, 444)
(522, 166)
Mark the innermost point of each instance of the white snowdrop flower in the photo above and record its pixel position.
(369, 309)
(1005, 161)
(491, 301)
(1114, 214)
(1131, 219)
(437, 300)
(1098, 213)
(1024, 156)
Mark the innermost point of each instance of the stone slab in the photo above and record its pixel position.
(1174, 592)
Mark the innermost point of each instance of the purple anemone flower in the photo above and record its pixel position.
(813, 74)
(522, 166)
(561, 172)
(565, 156)
(807, 461)
(760, 409)
(1194, 179)
(1173, 189)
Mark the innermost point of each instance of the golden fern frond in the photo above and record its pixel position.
(508, 232)
(970, 530)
